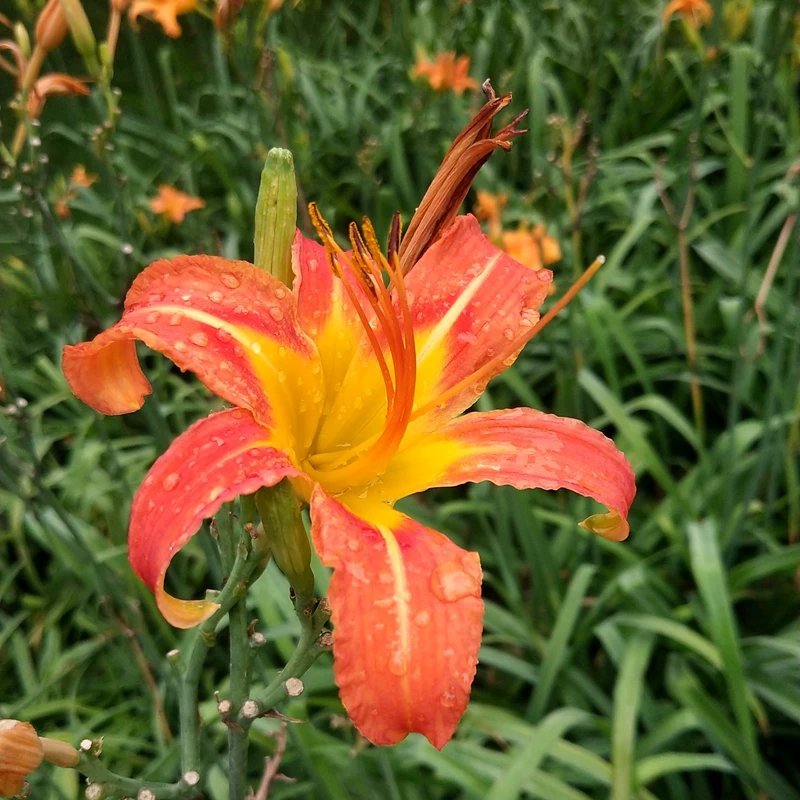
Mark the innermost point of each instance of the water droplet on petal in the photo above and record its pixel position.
(398, 663)
(199, 338)
(508, 333)
(181, 347)
(448, 699)
(276, 313)
(176, 319)
(354, 544)
(215, 296)
(280, 292)
(152, 317)
(423, 618)
(171, 481)
(255, 347)
(230, 280)
(222, 334)
(186, 296)
(453, 580)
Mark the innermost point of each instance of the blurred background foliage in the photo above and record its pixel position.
(667, 666)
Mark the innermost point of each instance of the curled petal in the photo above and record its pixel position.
(407, 615)
(526, 449)
(227, 321)
(48, 85)
(217, 459)
(472, 305)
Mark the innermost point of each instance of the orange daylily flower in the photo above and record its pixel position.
(21, 752)
(445, 73)
(173, 204)
(164, 12)
(696, 12)
(531, 246)
(489, 208)
(354, 390)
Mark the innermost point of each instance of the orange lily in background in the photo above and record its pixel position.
(164, 12)
(445, 73)
(531, 246)
(354, 390)
(695, 12)
(174, 204)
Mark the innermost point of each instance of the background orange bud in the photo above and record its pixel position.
(51, 27)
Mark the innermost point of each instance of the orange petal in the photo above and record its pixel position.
(229, 322)
(472, 303)
(526, 449)
(217, 459)
(407, 615)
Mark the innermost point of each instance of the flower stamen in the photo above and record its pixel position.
(364, 268)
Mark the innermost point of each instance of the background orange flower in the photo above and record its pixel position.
(174, 204)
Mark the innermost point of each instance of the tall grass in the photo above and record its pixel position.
(664, 667)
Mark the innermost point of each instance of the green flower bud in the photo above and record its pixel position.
(276, 216)
(279, 510)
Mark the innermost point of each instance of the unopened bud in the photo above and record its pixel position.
(226, 12)
(276, 216)
(279, 510)
(23, 40)
(95, 791)
(82, 34)
(51, 26)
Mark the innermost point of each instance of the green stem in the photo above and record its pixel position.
(245, 566)
(117, 786)
(238, 731)
(309, 647)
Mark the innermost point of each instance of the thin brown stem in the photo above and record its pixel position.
(271, 765)
(680, 221)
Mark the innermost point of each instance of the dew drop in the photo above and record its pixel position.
(230, 280)
(276, 313)
(152, 317)
(223, 335)
(448, 699)
(176, 319)
(186, 296)
(509, 333)
(180, 346)
(423, 618)
(199, 338)
(453, 580)
(280, 292)
(215, 296)
(255, 347)
(171, 481)
(398, 663)
(353, 544)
